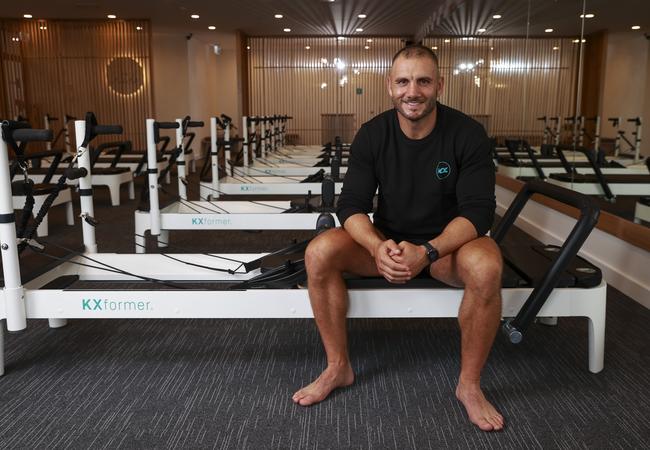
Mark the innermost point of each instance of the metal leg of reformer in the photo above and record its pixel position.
(57, 323)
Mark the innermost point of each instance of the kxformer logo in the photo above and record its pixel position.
(443, 169)
(101, 304)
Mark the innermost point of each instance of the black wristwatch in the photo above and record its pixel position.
(432, 252)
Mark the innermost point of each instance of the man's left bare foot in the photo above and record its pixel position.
(480, 411)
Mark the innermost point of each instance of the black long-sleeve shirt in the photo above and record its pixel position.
(423, 184)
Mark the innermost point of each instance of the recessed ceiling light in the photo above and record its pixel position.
(212, 27)
(447, 40)
(359, 30)
(587, 16)
(481, 30)
(307, 47)
(362, 16)
(548, 30)
(575, 41)
(138, 28)
(278, 16)
(195, 16)
(367, 47)
(287, 30)
(496, 16)
(42, 27)
(112, 16)
(248, 47)
(368, 40)
(340, 38)
(27, 16)
(636, 27)
(435, 47)
(556, 48)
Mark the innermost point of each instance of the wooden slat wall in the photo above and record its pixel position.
(71, 67)
(512, 80)
(286, 78)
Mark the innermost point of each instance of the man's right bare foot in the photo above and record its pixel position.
(332, 377)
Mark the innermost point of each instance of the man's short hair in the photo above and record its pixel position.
(416, 51)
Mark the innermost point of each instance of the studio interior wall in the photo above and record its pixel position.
(191, 79)
(626, 80)
(61, 67)
(504, 83)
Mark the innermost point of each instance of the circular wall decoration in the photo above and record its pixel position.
(125, 75)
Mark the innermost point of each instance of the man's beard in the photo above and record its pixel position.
(430, 106)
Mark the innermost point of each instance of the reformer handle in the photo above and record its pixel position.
(166, 125)
(30, 135)
(195, 124)
(589, 213)
(157, 126)
(93, 129)
(541, 118)
(74, 173)
(108, 129)
(51, 118)
(636, 120)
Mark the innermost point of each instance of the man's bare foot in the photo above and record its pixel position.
(332, 377)
(480, 411)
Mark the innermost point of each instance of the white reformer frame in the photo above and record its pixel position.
(640, 189)
(641, 213)
(514, 172)
(33, 302)
(18, 303)
(215, 215)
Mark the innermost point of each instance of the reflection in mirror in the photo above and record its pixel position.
(596, 137)
(610, 105)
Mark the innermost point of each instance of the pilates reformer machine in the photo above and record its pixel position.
(261, 183)
(539, 281)
(552, 129)
(624, 181)
(268, 153)
(273, 160)
(633, 153)
(536, 167)
(183, 214)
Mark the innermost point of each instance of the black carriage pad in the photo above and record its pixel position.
(524, 266)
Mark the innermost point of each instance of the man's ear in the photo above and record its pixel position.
(388, 86)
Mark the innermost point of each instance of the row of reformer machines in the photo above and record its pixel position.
(114, 162)
(577, 130)
(586, 170)
(540, 282)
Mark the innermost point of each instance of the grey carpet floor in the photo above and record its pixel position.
(228, 383)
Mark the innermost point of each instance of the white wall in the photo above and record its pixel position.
(189, 78)
(626, 80)
(170, 75)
